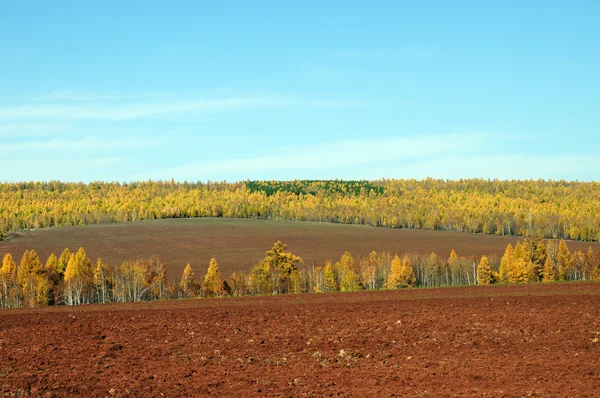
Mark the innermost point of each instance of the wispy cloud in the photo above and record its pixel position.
(30, 129)
(501, 166)
(148, 110)
(449, 156)
(63, 168)
(446, 156)
(330, 156)
(78, 145)
(67, 95)
(124, 111)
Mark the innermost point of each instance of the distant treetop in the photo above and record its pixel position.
(313, 187)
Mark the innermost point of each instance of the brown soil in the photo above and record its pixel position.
(238, 244)
(528, 340)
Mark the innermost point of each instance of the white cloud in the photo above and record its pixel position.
(450, 156)
(78, 145)
(30, 129)
(124, 111)
(329, 156)
(79, 95)
(501, 166)
(109, 110)
(64, 169)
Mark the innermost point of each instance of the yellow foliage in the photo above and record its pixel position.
(549, 270)
(78, 279)
(401, 274)
(520, 207)
(213, 280)
(506, 263)
(518, 272)
(188, 282)
(563, 260)
(369, 272)
(9, 267)
(484, 272)
(282, 264)
(261, 279)
(30, 265)
(350, 282)
(330, 279)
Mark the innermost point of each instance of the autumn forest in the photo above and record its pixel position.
(546, 209)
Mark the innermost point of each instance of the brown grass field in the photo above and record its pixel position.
(540, 340)
(239, 243)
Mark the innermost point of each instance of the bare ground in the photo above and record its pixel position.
(527, 340)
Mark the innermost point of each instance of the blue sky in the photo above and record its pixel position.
(194, 90)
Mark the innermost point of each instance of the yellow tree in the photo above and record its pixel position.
(452, 258)
(369, 271)
(261, 279)
(506, 263)
(63, 261)
(564, 260)
(484, 272)
(239, 284)
(433, 273)
(52, 263)
(527, 250)
(519, 272)
(138, 279)
(317, 279)
(345, 264)
(298, 283)
(32, 280)
(407, 275)
(9, 294)
(78, 279)
(401, 274)
(283, 265)
(539, 259)
(593, 264)
(53, 278)
(519, 251)
(350, 282)
(213, 280)
(8, 265)
(188, 282)
(393, 281)
(330, 279)
(452, 267)
(156, 276)
(30, 264)
(549, 270)
(101, 281)
(578, 265)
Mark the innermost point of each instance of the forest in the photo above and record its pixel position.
(537, 208)
(73, 279)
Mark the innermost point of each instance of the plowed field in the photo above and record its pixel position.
(528, 340)
(238, 243)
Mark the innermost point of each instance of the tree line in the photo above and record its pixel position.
(548, 209)
(73, 279)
